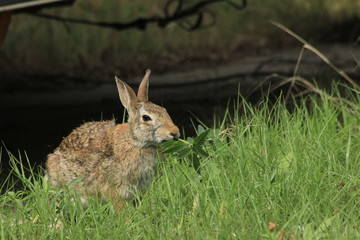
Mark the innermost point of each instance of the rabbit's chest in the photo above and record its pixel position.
(139, 174)
(135, 167)
(145, 167)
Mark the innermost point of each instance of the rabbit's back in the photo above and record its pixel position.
(85, 137)
(79, 153)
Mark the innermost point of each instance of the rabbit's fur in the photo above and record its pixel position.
(114, 161)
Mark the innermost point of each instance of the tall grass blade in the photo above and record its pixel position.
(318, 53)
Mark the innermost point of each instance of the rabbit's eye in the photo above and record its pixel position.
(146, 118)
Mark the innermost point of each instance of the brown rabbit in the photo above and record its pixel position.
(114, 161)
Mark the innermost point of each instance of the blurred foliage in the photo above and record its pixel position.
(41, 45)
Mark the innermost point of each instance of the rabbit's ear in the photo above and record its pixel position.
(144, 87)
(127, 96)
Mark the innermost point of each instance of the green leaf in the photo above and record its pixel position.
(218, 144)
(196, 163)
(200, 151)
(200, 140)
(166, 145)
(174, 147)
(184, 152)
(200, 129)
(190, 140)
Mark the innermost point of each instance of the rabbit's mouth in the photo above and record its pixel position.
(160, 141)
(168, 138)
(165, 140)
(165, 134)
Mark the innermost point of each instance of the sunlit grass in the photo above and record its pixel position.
(299, 170)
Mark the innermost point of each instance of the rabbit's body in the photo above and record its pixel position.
(91, 154)
(113, 161)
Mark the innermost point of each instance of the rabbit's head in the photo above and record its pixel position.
(149, 124)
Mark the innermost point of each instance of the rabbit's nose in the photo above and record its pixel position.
(174, 135)
(174, 132)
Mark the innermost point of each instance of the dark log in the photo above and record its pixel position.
(213, 82)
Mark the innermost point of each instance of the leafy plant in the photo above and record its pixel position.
(191, 149)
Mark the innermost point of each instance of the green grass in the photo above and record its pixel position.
(300, 170)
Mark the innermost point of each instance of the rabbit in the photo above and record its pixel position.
(112, 161)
